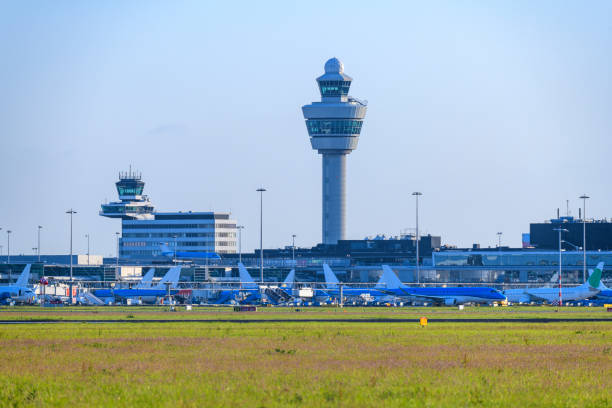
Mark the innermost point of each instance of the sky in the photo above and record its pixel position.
(497, 111)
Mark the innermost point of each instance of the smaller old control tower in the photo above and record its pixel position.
(334, 125)
(133, 205)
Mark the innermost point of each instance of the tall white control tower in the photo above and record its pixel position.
(334, 125)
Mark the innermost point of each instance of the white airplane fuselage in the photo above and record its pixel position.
(549, 294)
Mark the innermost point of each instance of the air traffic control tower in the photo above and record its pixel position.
(334, 125)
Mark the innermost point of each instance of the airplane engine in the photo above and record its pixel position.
(450, 302)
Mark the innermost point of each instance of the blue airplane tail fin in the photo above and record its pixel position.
(245, 277)
(171, 276)
(288, 283)
(146, 280)
(331, 281)
(23, 279)
(165, 250)
(389, 279)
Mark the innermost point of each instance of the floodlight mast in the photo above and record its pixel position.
(261, 190)
(560, 265)
(71, 212)
(417, 194)
(584, 197)
(240, 228)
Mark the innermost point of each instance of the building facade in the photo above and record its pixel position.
(598, 234)
(180, 231)
(144, 230)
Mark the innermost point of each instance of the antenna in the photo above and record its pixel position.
(567, 207)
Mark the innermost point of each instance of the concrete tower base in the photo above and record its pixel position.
(334, 197)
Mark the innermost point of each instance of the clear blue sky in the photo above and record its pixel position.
(497, 111)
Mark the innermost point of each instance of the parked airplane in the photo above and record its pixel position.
(91, 299)
(19, 292)
(185, 255)
(551, 294)
(332, 289)
(250, 292)
(391, 284)
(147, 295)
(605, 293)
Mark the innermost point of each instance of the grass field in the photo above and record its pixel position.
(310, 364)
(212, 313)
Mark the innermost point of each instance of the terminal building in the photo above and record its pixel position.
(144, 230)
(598, 232)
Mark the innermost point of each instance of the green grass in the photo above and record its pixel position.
(212, 313)
(318, 364)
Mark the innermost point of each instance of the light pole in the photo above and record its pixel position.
(584, 265)
(175, 236)
(293, 248)
(261, 191)
(71, 212)
(416, 194)
(38, 249)
(560, 266)
(240, 228)
(8, 246)
(117, 259)
(87, 236)
(499, 234)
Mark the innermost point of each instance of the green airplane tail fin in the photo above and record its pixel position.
(595, 277)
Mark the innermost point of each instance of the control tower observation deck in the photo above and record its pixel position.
(133, 205)
(334, 125)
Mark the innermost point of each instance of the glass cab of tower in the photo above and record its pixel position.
(334, 88)
(180, 231)
(333, 126)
